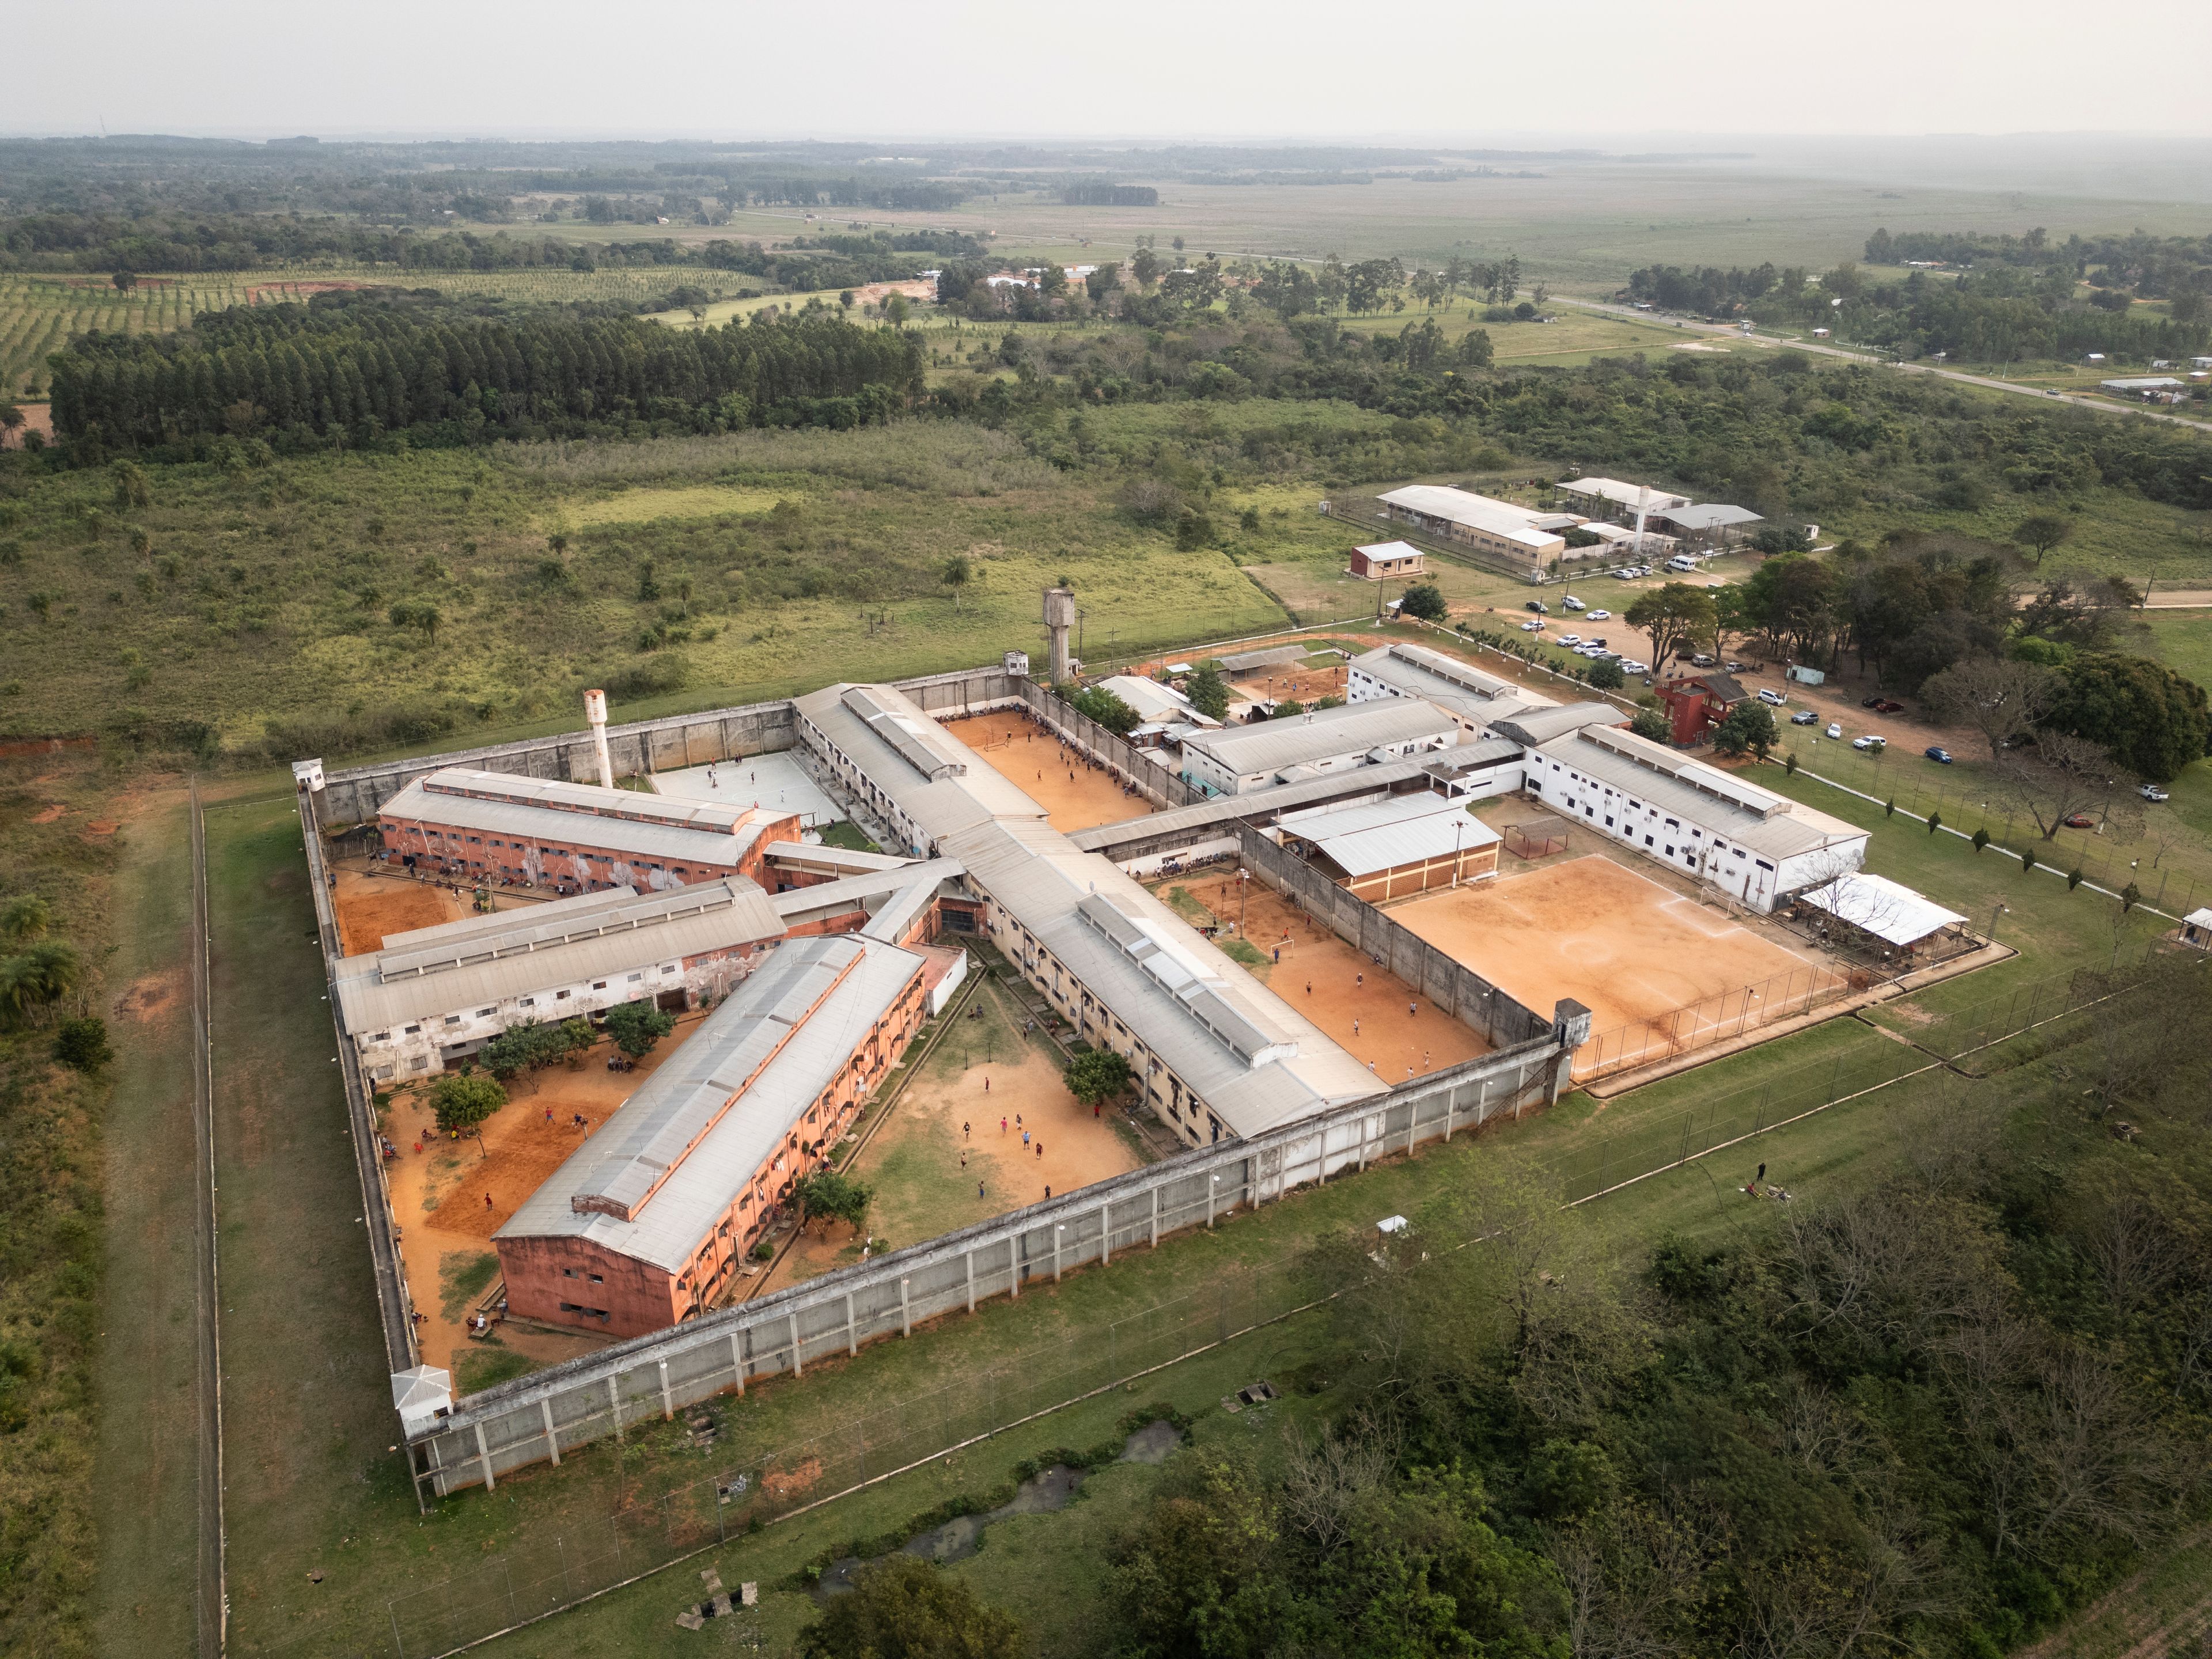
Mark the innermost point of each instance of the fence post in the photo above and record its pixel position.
(667, 1402)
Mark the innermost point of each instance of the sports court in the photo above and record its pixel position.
(1365, 1009)
(1635, 953)
(1075, 792)
(776, 783)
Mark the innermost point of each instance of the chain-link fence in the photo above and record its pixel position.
(2113, 851)
(1710, 1020)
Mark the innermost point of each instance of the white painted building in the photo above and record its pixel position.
(1473, 697)
(1239, 759)
(435, 995)
(1698, 820)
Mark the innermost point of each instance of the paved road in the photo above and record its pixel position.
(1688, 324)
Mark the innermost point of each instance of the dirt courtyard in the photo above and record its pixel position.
(914, 1159)
(438, 1192)
(1308, 685)
(1328, 981)
(1075, 793)
(1627, 948)
(370, 907)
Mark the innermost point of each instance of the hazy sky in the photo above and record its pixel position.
(865, 68)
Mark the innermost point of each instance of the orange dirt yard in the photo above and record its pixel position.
(1363, 1008)
(1075, 793)
(371, 906)
(438, 1194)
(1625, 948)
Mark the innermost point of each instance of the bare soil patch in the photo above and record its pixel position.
(439, 1186)
(371, 906)
(1384, 1021)
(1075, 792)
(1624, 947)
(149, 999)
(48, 814)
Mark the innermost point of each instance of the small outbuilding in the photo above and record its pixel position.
(1398, 845)
(1698, 702)
(1876, 915)
(1387, 561)
(2196, 930)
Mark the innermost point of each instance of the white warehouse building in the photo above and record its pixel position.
(1240, 759)
(1752, 844)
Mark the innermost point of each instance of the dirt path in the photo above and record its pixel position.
(1075, 793)
(1365, 1008)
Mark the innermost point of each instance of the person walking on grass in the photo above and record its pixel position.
(979, 1189)
(964, 1132)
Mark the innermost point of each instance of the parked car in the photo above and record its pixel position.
(1835, 728)
(1869, 741)
(1884, 706)
(2151, 791)
(1735, 667)
(1572, 603)
(1701, 660)
(1629, 666)
(1805, 717)
(1599, 616)
(1770, 697)
(1539, 607)
(1937, 753)
(1531, 627)
(1870, 702)
(1570, 639)
(2078, 821)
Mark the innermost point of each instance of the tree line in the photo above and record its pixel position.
(352, 368)
(188, 243)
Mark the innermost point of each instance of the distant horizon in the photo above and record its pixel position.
(1891, 69)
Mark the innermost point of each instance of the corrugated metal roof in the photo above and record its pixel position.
(939, 805)
(1709, 516)
(1351, 729)
(555, 794)
(907, 730)
(637, 837)
(1500, 519)
(1040, 880)
(1377, 836)
(486, 960)
(1536, 725)
(1244, 662)
(1888, 909)
(1390, 550)
(678, 1152)
(1623, 493)
(1154, 701)
(1261, 804)
(1414, 670)
(1687, 788)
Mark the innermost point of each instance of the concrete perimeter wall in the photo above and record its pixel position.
(1456, 989)
(354, 795)
(534, 1418)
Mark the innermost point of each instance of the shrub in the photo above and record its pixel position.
(82, 1043)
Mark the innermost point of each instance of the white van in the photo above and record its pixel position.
(1681, 562)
